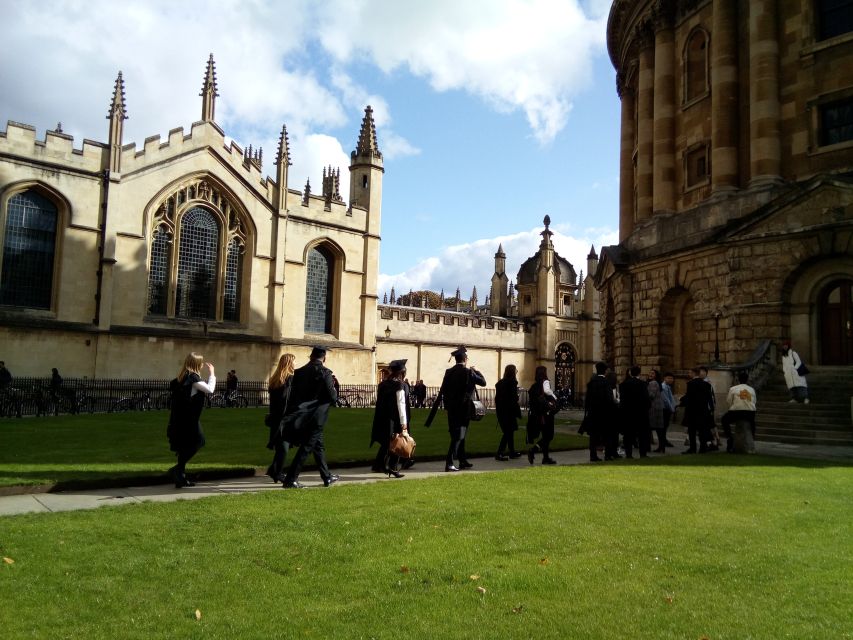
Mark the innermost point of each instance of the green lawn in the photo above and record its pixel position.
(718, 547)
(133, 446)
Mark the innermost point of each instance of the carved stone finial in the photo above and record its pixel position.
(58, 127)
(283, 155)
(118, 108)
(367, 144)
(306, 195)
(209, 92)
(547, 222)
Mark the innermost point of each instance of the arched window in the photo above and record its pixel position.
(198, 265)
(696, 65)
(318, 291)
(207, 266)
(29, 247)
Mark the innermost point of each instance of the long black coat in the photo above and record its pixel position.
(278, 401)
(184, 430)
(507, 409)
(699, 401)
(386, 418)
(600, 405)
(312, 392)
(634, 403)
(457, 389)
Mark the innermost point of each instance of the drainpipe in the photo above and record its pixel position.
(102, 224)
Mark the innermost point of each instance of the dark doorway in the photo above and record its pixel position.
(836, 315)
(564, 370)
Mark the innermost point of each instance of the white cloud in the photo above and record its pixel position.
(472, 264)
(311, 154)
(532, 55)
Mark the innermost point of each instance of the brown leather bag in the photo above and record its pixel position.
(402, 445)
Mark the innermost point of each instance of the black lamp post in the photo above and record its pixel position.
(717, 315)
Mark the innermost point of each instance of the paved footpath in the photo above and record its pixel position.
(92, 499)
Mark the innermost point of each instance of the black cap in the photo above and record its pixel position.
(461, 351)
(397, 365)
(318, 351)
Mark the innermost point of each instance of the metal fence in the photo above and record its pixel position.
(36, 396)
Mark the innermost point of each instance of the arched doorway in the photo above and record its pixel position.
(564, 369)
(836, 323)
(677, 343)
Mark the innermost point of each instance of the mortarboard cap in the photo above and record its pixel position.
(397, 365)
(461, 351)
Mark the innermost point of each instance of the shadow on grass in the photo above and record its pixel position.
(722, 459)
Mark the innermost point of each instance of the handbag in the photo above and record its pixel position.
(476, 409)
(802, 370)
(402, 445)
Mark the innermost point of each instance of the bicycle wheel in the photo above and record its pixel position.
(123, 404)
(240, 401)
(358, 402)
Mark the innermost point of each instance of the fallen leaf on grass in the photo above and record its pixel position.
(544, 560)
(474, 577)
(8, 560)
(668, 599)
(410, 539)
(704, 637)
(481, 589)
(404, 569)
(299, 568)
(197, 614)
(518, 609)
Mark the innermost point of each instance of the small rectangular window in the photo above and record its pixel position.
(836, 122)
(696, 166)
(835, 17)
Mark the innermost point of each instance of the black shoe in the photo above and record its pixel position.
(451, 467)
(516, 454)
(531, 455)
(548, 461)
(394, 474)
(501, 457)
(465, 465)
(328, 482)
(293, 485)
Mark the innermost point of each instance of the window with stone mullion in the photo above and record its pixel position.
(158, 273)
(198, 265)
(233, 277)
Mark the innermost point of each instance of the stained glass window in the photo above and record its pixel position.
(158, 274)
(198, 257)
(318, 292)
(233, 276)
(28, 251)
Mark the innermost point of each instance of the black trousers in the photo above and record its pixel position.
(507, 443)
(702, 431)
(280, 450)
(456, 451)
(644, 439)
(384, 461)
(313, 444)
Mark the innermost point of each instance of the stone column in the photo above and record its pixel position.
(664, 113)
(626, 160)
(724, 98)
(645, 122)
(765, 151)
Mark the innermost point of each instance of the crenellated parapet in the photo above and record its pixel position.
(56, 151)
(449, 318)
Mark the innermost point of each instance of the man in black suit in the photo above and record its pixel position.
(699, 411)
(457, 391)
(635, 413)
(600, 409)
(312, 392)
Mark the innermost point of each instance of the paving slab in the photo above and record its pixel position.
(14, 505)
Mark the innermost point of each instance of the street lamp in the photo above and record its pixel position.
(717, 315)
(387, 332)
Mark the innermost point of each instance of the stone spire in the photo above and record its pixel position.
(331, 186)
(458, 299)
(283, 155)
(306, 196)
(474, 299)
(385, 298)
(497, 300)
(393, 296)
(208, 92)
(367, 146)
(117, 115)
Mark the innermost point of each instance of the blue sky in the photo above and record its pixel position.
(490, 113)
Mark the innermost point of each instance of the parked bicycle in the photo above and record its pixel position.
(228, 399)
(137, 401)
(351, 399)
(11, 403)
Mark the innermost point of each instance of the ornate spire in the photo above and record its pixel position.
(117, 106)
(306, 195)
(592, 253)
(500, 253)
(283, 155)
(385, 298)
(511, 295)
(208, 92)
(367, 145)
(393, 296)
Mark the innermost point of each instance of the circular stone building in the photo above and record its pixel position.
(736, 183)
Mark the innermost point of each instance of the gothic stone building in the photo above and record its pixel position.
(117, 261)
(736, 182)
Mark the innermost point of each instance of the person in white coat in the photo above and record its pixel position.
(795, 377)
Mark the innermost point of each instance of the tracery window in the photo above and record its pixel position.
(29, 247)
(203, 278)
(696, 65)
(318, 291)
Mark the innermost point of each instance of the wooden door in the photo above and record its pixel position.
(836, 323)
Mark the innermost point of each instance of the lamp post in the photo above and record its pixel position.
(387, 332)
(717, 315)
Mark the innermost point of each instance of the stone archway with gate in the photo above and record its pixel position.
(565, 358)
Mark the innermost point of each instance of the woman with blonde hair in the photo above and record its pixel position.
(279, 390)
(184, 431)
